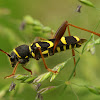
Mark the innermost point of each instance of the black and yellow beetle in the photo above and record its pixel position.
(45, 48)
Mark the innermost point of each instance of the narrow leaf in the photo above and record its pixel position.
(57, 68)
(30, 79)
(93, 89)
(42, 77)
(21, 77)
(88, 3)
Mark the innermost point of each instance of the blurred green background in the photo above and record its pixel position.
(50, 13)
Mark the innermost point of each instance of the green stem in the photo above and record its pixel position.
(77, 85)
(86, 44)
(92, 37)
(74, 69)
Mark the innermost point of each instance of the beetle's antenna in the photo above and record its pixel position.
(5, 52)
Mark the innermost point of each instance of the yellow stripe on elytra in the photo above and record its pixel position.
(33, 54)
(75, 46)
(70, 46)
(63, 40)
(26, 57)
(37, 45)
(64, 47)
(31, 44)
(29, 48)
(76, 38)
(50, 43)
(16, 53)
(31, 51)
(58, 49)
(45, 52)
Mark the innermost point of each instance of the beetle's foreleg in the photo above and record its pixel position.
(14, 71)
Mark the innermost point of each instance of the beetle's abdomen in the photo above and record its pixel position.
(64, 44)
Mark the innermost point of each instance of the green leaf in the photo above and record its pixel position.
(88, 3)
(30, 79)
(93, 89)
(42, 77)
(21, 77)
(57, 68)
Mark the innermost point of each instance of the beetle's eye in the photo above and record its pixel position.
(12, 59)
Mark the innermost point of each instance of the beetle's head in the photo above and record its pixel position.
(13, 58)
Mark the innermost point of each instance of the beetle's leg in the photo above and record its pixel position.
(60, 32)
(14, 71)
(5, 53)
(69, 31)
(27, 69)
(98, 34)
(73, 52)
(37, 51)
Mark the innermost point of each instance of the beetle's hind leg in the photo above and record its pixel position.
(60, 32)
(73, 52)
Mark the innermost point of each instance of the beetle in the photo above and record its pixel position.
(45, 48)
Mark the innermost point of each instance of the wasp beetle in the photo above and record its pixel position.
(45, 48)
